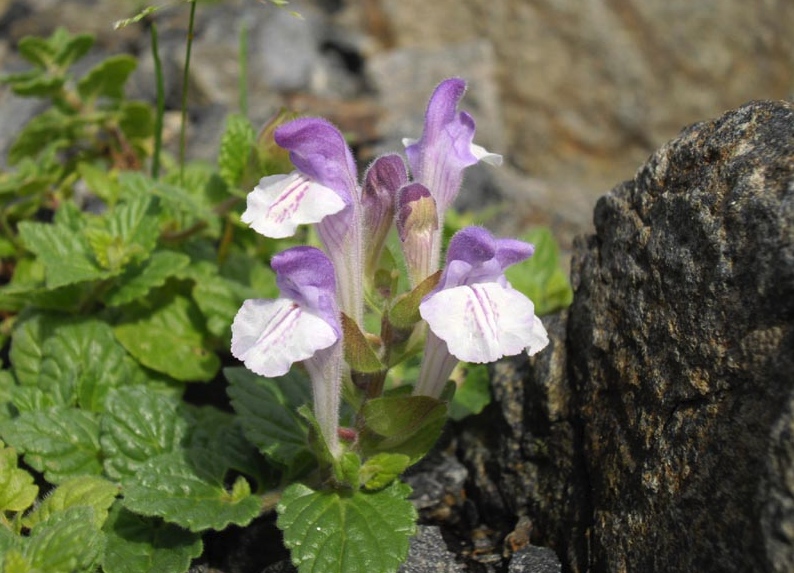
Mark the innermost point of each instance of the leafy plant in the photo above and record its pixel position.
(120, 297)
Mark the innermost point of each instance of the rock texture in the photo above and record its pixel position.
(657, 434)
(683, 330)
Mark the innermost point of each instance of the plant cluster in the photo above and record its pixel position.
(124, 288)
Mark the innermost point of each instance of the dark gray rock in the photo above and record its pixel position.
(660, 435)
(535, 560)
(681, 337)
(429, 554)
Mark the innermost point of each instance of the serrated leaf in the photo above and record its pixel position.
(474, 393)
(31, 399)
(268, 412)
(169, 339)
(139, 424)
(60, 442)
(380, 470)
(137, 280)
(540, 278)
(17, 490)
(68, 541)
(407, 425)
(66, 258)
(129, 232)
(107, 78)
(347, 469)
(85, 491)
(27, 346)
(341, 533)
(138, 544)
(179, 491)
(81, 363)
(236, 144)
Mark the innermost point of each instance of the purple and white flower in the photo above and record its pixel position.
(446, 148)
(383, 179)
(302, 325)
(474, 314)
(322, 190)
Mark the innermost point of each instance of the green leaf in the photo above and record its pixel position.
(107, 79)
(540, 278)
(17, 490)
(65, 256)
(169, 339)
(81, 363)
(38, 85)
(60, 442)
(474, 393)
(138, 544)
(139, 424)
(219, 436)
(380, 470)
(236, 144)
(31, 399)
(38, 51)
(68, 541)
(137, 119)
(129, 232)
(27, 344)
(405, 311)
(99, 182)
(84, 491)
(219, 300)
(267, 408)
(407, 425)
(73, 49)
(44, 129)
(358, 353)
(137, 280)
(182, 492)
(337, 532)
(347, 469)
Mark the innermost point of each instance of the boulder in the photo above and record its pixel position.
(657, 433)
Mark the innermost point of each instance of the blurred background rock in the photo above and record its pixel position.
(574, 94)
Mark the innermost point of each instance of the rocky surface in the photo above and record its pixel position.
(657, 433)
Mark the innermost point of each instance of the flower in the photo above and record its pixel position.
(270, 335)
(322, 190)
(446, 148)
(302, 325)
(474, 314)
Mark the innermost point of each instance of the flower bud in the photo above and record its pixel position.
(417, 226)
(383, 178)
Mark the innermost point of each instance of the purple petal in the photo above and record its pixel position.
(383, 179)
(319, 151)
(512, 251)
(306, 275)
(439, 157)
(474, 245)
